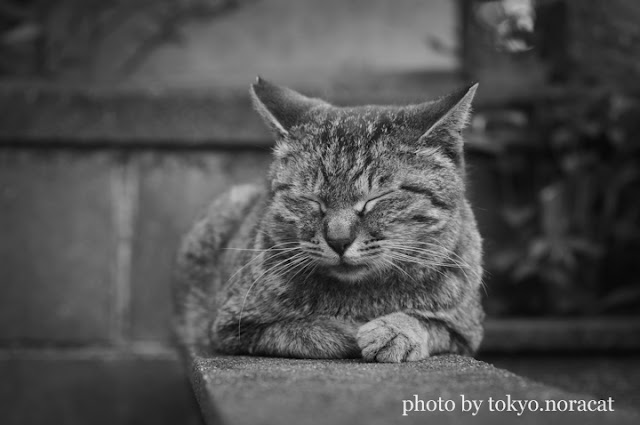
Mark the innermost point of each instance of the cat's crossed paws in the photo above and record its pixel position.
(393, 338)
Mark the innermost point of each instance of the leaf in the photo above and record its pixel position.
(524, 271)
(557, 276)
(586, 247)
(538, 248)
(518, 216)
(24, 33)
(554, 210)
(504, 260)
(562, 138)
(623, 296)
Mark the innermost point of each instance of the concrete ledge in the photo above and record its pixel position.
(89, 117)
(255, 390)
(44, 114)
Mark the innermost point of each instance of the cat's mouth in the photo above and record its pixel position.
(350, 272)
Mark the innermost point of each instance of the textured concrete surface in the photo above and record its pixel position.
(614, 375)
(255, 390)
(58, 246)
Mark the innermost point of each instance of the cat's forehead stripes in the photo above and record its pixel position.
(343, 148)
(357, 124)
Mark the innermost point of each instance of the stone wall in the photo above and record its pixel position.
(87, 248)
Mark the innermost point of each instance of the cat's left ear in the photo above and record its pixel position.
(449, 113)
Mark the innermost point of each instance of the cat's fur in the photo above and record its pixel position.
(256, 275)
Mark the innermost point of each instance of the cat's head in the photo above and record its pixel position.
(358, 191)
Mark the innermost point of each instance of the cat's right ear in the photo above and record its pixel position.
(281, 108)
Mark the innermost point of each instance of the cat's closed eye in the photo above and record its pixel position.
(421, 190)
(317, 202)
(367, 205)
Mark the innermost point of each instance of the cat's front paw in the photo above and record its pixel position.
(393, 338)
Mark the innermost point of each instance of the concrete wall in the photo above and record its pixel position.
(86, 251)
(298, 41)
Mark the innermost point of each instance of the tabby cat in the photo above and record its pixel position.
(360, 243)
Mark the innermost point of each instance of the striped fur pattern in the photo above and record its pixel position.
(360, 243)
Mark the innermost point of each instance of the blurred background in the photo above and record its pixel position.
(121, 119)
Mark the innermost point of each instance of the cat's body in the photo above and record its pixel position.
(361, 243)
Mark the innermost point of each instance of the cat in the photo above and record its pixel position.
(359, 244)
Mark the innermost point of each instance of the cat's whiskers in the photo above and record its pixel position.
(437, 246)
(430, 266)
(313, 269)
(421, 256)
(262, 249)
(306, 262)
(410, 253)
(412, 256)
(436, 253)
(390, 262)
(459, 261)
(276, 269)
(264, 272)
(256, 257)
(465, 263)
(417, 260)
(414, 250)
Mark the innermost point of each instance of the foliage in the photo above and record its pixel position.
(576, 245)
(43, 38)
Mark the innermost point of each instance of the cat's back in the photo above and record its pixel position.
(223, 217)
(229, 210)
(194, 292)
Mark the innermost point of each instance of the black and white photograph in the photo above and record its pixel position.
(319, 212)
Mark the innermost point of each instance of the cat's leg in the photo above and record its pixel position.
(415, 335)
(318, 338)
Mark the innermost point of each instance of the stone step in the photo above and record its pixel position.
(258, 390)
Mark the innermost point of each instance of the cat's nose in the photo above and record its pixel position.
(340, 245)
(339, 230)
